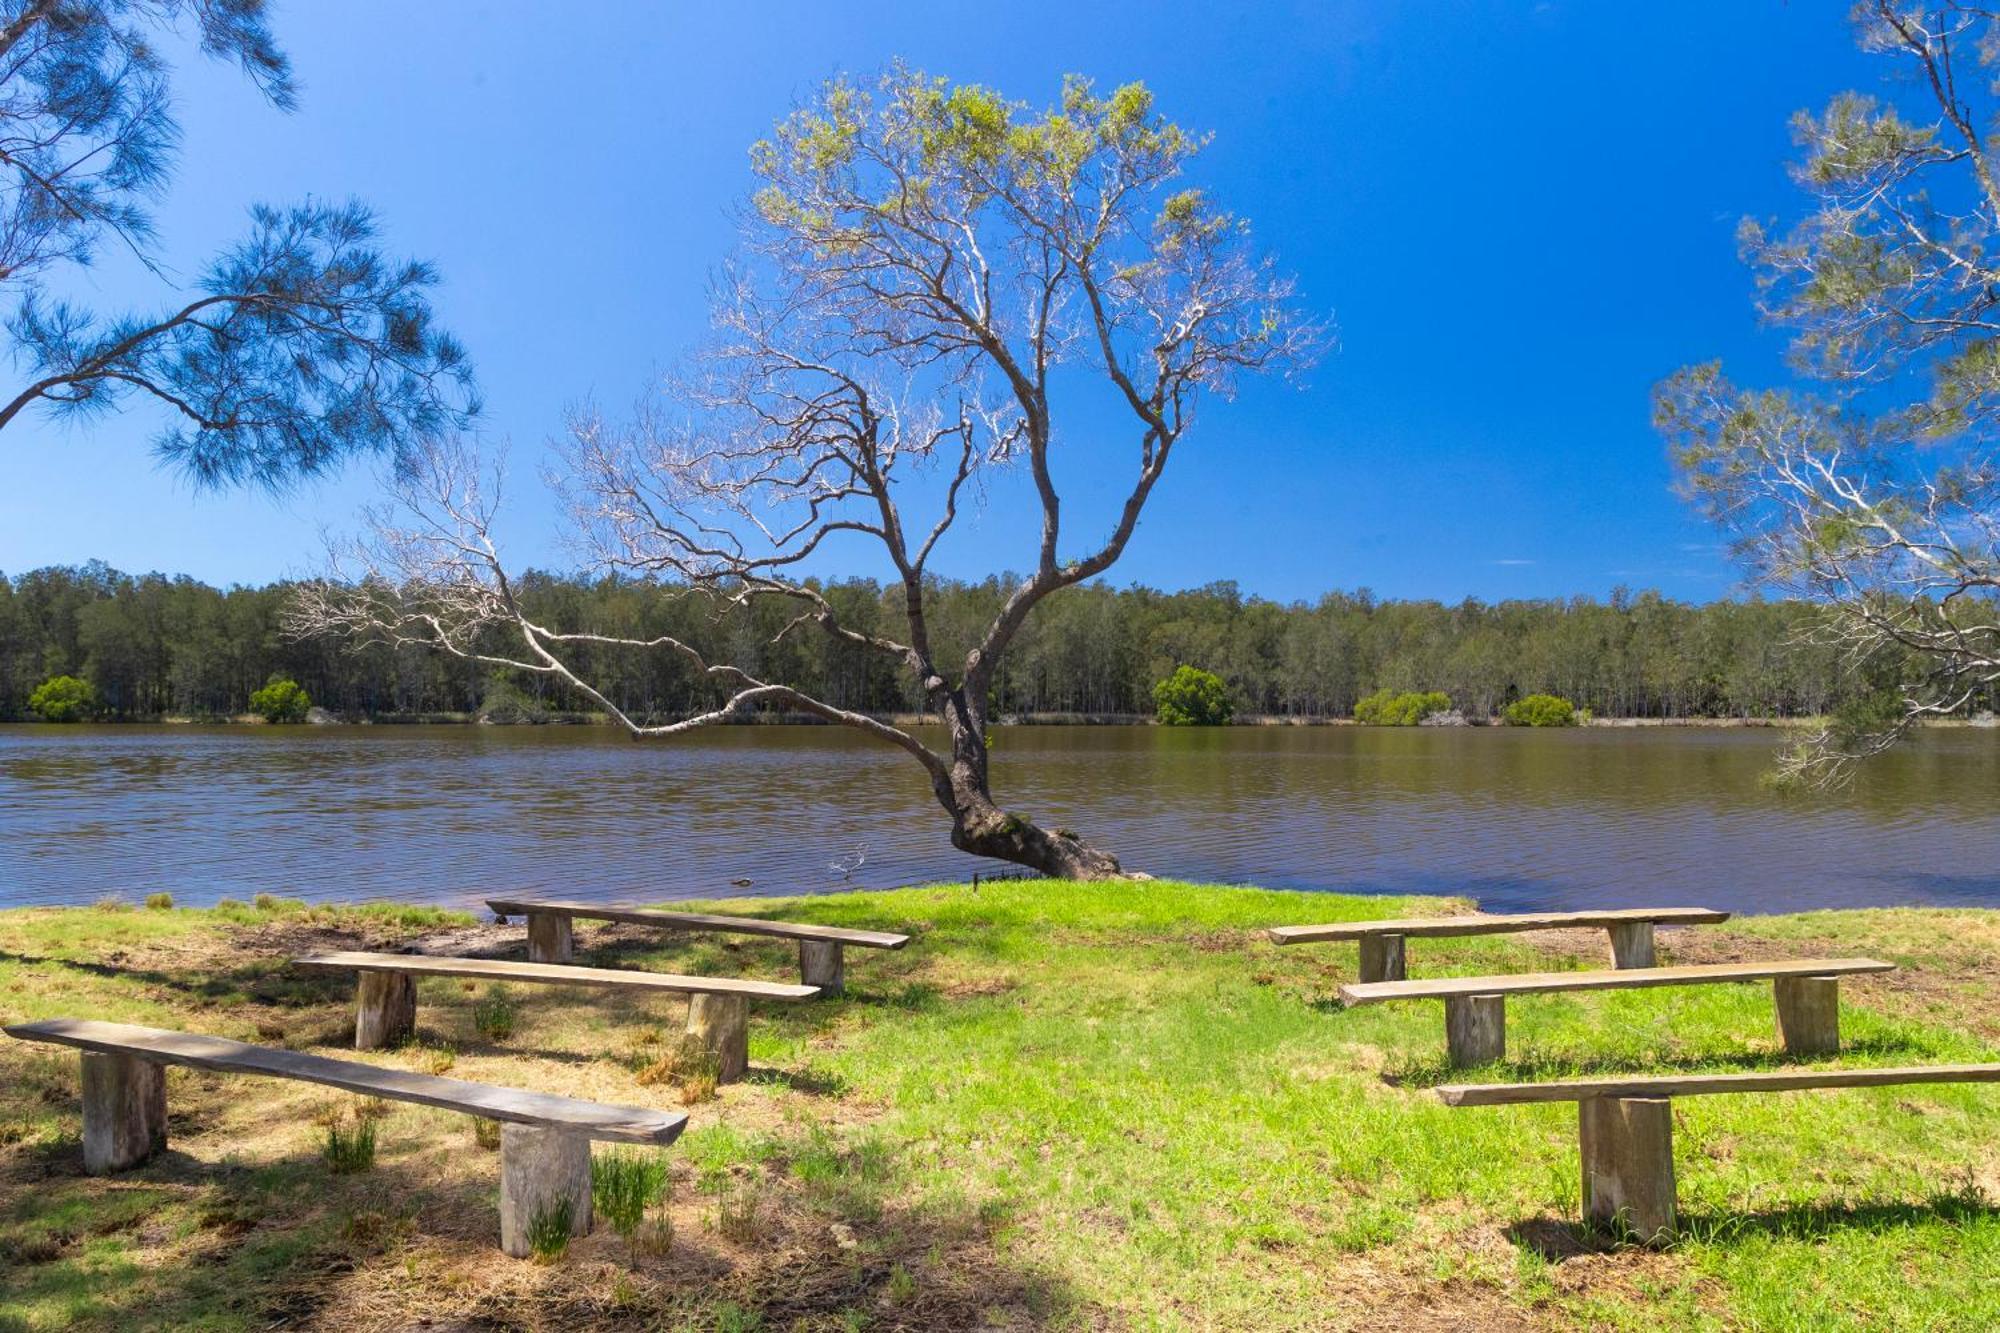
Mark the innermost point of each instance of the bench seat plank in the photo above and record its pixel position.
(625, 1124)
(500, 969)
(1530, 983)
(731, 925)
(1691, 1085)
(1483, 923)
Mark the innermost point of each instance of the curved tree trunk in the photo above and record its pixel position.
(982, 828)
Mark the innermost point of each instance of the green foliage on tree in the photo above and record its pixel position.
(281, 701)
(64, 699)
(1387, 708)
(1540, 710)
(1192, 697)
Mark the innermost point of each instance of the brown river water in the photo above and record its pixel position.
(1517, 819)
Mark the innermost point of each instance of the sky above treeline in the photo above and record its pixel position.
(1519, 215)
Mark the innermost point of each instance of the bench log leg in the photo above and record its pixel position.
(1475, 1029)
(821, 964)
(1628, 1165)
(723, 1024)
(540, 1169)
(1808, 1014)
(550, 938)
(1382, 958)
(385, 1009)
(124, 1111)
(1632, 945)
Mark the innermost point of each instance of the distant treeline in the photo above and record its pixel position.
(159, 646)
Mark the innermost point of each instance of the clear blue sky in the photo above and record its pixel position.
(1521, 216)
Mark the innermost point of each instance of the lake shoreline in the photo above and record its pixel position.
(926, 720)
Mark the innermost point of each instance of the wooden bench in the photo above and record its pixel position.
(1625, 1127)
(544, 1139)
(385, 1010)
(1381, 942)
(1807, 992)
(822, 960)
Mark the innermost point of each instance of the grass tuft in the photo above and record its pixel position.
(159, 902)
(494, 1014)
(623, 1185)
(548, 1231)
(349, 1145)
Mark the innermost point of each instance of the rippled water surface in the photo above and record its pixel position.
(1517, 819)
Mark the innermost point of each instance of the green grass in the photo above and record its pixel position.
(1061, 1106)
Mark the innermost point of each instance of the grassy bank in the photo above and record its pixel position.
(1062, 1106)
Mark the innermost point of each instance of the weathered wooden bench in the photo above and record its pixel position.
(544, 1139)
(1807, 992)
(1625, 1127)
(1631, 932)
(385, 1010)
(822, 956)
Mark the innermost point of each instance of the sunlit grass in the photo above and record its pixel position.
(1070, 1105)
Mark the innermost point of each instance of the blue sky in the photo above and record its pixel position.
(1520, 215)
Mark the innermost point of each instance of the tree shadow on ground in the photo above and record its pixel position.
(266, 982)
(1535, 1066)
(1557, 1239)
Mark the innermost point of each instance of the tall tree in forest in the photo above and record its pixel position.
(921, 261)
(298, 346)
(1879, 496)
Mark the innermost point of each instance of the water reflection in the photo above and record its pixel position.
(1518, 819)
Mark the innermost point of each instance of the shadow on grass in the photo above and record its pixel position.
(1557, 1240)
(266, 983)
(1538, 1067)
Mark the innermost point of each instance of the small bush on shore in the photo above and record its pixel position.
(1387, 708)
(1540, 710)
(64, 699)
(1192, 697)
(159, 902)
(281, 701)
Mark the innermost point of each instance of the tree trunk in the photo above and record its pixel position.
(982, 828)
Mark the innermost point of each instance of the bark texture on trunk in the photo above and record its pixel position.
(981, 827)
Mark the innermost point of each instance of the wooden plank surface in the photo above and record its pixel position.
(1691, 1085)
(560, 974)
(1529, 983)
(1483, 923)
(728, 925)
(627, 1124)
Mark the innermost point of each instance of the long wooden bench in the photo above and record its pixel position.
(822, 949)
(544, 1139)
(1631, 931)
(1807, 993)
(385, 1010)
(1625, 1127)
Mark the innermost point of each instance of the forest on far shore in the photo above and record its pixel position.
(161, 646)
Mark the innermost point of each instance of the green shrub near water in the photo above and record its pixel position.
(64, 699)
(1540, 710)
(1387, 708)
(159, 902)
(281, 701)
(1192, 697)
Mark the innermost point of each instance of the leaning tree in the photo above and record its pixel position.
(298, 346)
(923, 267)
(1879, 496)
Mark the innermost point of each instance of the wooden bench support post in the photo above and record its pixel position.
(1632, 945)
(1808, 1014)
(124, 1111)
(540, 1169)
(1382, 958)
(1475, 1029)
(822, 963)
(551, 938)
(723, 1024)
(1628, 1165)
(385, 1009)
